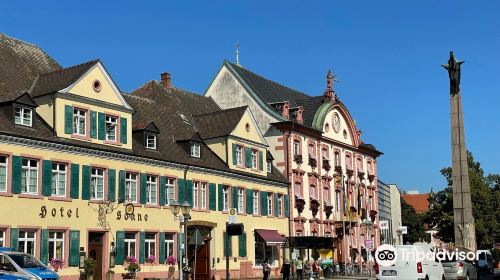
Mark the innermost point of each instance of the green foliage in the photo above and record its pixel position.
(414, 223)
(88, 267)
(495, 253)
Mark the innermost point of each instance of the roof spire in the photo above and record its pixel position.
(237, 53)
(329, 92)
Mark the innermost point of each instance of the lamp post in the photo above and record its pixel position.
(181, 214)
(368, 224)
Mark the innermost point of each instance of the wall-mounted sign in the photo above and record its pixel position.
(232, 216)
(58, 212)
(130, 215)
(384, 224)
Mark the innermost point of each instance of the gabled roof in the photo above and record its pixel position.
(419, 201)
(20, 63)
(60, 79)
(220, 123)
(145, 126)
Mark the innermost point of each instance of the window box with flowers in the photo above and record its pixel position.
(57, 264)
(132, 268)
(171, 261)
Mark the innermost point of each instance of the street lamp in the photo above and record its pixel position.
(368, 224)
(183, 218)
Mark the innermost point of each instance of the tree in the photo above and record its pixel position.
(414, 223)
(485, 196)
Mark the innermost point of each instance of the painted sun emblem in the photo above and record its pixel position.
(129, 209)
(336, 122)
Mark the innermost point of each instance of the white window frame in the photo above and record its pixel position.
(255, 206)
(150, 243)
(269, 166)
(130, 180)
(225, 198)
(170, 190)
(241, 200)
(371, 203)
(239, 155)
(315, 194)
(254, 156)
(196, 150)
(203, 195)
(336, 159)
(337, 202)
(19, 115)
(58, 237)
(269, 204)
(280, 205)
(23, 238)
(4, 166)
(28, 170)
(296, 148)
(169, 242)
(2, 238)
(297, 185)
(96, 183)
(326, 195)
(151, 189)
(196, 186)
(111, 128)
(128, 242)
(79, 118)
(59, 170)
(152, 144)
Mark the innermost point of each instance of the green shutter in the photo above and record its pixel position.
(261, 160)
(111, 184)
(14, 239)
(163, 190)
(101, 130)
(123, 130)
(276, 204)
(212, 192)
(287, 205)
(242, 245)
(121, 186)
(161, 258)
(86, 182)
(234, 197)
(68, 119)
(144, 193)
(74, 248)
(17, 170)
(249, 201)
(189, 192)
(47, 177)
(120, 247)
(234, 154)
(44, 246)
(142, 249)
(263, 203)
(75, 180)
(228, 251)
(248, 157)
(221, 200)
(181, 190)
(93, 124)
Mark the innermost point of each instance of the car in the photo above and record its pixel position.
(408, 267)
(455, 269)
(22, 266)
(485, 262)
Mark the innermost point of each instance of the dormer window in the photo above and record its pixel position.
(23, 115)
(195, 150)
(151, 140)
(111, 122)
(269, 166)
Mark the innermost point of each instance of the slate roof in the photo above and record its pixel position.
(219, 123)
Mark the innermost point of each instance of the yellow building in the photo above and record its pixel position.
(87, 170)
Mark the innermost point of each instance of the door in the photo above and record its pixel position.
(201, 267)
(95, 253)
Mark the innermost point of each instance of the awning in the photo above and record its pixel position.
(270, 236)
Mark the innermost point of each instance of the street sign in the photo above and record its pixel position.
(196, 239)
(369, 244)
(232, 216)
(384, 224)
(404, 230)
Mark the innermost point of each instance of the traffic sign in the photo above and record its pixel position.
(384, 224)
(232, 216)
(369, 244)
(404, 230)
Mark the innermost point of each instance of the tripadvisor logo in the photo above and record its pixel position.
(386, 255)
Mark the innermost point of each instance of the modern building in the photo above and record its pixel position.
(86, 170)
(389, 204)
(397, 223)
(317, 145)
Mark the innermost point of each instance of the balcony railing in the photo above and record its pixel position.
(312, 162)
(326, 164)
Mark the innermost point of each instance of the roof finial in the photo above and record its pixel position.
(329, 92)
(237, 53)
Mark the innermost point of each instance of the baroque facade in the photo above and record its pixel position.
(318, 147)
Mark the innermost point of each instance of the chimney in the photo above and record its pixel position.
(166, 81)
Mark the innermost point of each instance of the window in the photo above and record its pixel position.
(151, 141)
(195, 194)
(111, 122)
(369, 167)
(170, 193)
(269, 204)
(361, 200)
(263, 252)
(97, 184)
(348, 162)
(371, 203)
(312, 152)
(254, 158)
(169, 244)
(79, 121)
(27, 242)
(312, 191)
(337, 159)
(59, 176)
(22, 116)
(3, 174)
(298, 188)
(326, 195)
(29, 178)
(325, 153)
(150, 244)
(131, 187)
(360, 165)
(239, 155)
(269, 167)
(255, 205)
(151, 184)
(241, 200)
(296, 148)
(225, 198)
(56, 245)
(279, 207)
(337, 202)
(129, 243)
(2, 238)
(203, 195)
(195, 150)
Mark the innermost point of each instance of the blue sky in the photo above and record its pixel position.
(387, 56)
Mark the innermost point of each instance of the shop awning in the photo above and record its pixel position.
(270, 236)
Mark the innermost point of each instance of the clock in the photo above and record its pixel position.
(336, 122)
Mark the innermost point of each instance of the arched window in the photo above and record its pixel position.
(337, 159)
(348, 162)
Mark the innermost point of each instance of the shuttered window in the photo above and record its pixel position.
(29, 176)
(255, 202)
(97, 184)
(27, 242)
(56, 245)
(111, 185)
(131, 187)
(79, 122)
(68, 119)
(3, 173)
(59, 179)
(228, 250)
(123, 130)
(213, 197)
(152, 190)
(242, 245)
(75, 180)
(74, 248)
(269, 204)
(120, 247)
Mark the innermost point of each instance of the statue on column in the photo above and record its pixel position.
(453, 68)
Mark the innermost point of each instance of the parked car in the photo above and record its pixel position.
(411, 267)
(455, 269)
(22, 266)
(485, 262)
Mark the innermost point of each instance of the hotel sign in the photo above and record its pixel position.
(129, 214)
(58, 212)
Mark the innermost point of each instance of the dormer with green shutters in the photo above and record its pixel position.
(84, 105)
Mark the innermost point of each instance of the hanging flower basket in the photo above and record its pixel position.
(56, 264)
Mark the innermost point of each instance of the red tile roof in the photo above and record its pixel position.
(419, 201)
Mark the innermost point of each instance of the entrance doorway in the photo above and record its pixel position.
(96, 243)
(201, 267)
